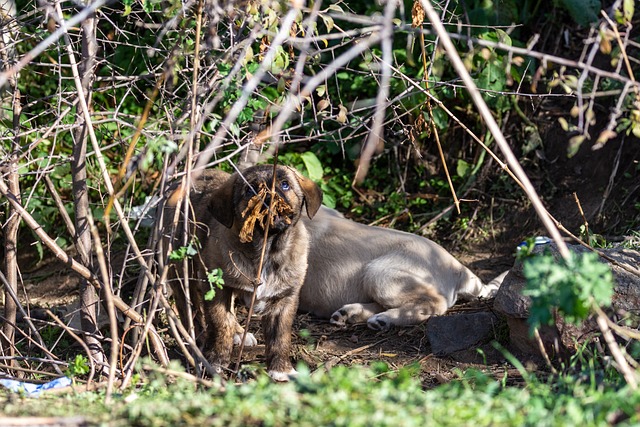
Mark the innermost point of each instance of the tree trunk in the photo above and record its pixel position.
(8, 32)
(88, 295)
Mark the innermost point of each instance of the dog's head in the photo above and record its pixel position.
(246, 196)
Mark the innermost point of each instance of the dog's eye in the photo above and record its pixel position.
(284, 185)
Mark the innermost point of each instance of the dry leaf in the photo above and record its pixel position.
(417, 14)
(342, 114)
(257, 210)
(323, 104)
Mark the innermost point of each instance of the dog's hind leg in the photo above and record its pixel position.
(220, 328)
(406, 298)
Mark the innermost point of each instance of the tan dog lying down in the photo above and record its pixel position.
(385, 277)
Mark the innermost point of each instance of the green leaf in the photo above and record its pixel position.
(584, 12)
(624, 17)
(571, 285)
(463, 168)
(216, 281)
(313, 165)
(280, 61)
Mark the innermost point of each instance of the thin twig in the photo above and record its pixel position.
(111, 311)
(79, 340)
(622, 365)
(257, 281)
(584, 218)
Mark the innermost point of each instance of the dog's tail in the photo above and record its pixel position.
(490, 289)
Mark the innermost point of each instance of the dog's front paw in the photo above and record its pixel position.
(379, 322)
(281, 377)
(249, 341)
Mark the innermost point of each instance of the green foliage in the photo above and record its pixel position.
(184, 252)
(334, 187)
(572, 286)
(584, 12)
(348, 396)
(216, 281)
(78, 366)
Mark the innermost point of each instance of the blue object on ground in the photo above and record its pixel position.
(539, 241)
(34, 390)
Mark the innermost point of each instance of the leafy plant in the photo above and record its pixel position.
(183, 252)
(572, 286)
(216, 281)
(78, 366)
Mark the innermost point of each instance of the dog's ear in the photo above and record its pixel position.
(222, 202)
(312, 195)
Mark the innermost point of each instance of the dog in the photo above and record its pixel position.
(359, 273)
(230, 218)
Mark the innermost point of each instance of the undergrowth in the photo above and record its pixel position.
(349, 396)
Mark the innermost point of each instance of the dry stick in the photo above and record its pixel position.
(543, 57)
(159, 348)
(80, 269)
(622, 46)
(187, 337)
(337, 359)
(493, 127)
(623, 331)
(544, 215)
(257, 281)
(43, 45)
(38, 342)
(584, 218)
(98, 153)
(543, 351)
(442, 159)
(376, 135)
(31, 371)
(248, 89)
(626, 267)
(89, 298)
(132, 145)
(154, 246)
(53, 361)
(444, 108)
(80, 340)
(107, 291)
(180, 374)
(192, 138)
(13, 222)
(623, 366)
(612, 177)
(185, 351)
(419, 18)
(71, 229)
(505, 167)
(148, 324)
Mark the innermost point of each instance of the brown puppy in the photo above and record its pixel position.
(385, 277)
(222, 206)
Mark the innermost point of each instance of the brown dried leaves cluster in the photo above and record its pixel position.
(258, 212)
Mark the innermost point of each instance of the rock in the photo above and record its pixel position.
(453, 333)
(561, 338)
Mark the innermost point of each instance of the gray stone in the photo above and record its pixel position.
(449, 334)
(509, 300)
(561, 338)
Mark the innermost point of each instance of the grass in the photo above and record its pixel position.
(348, 396)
